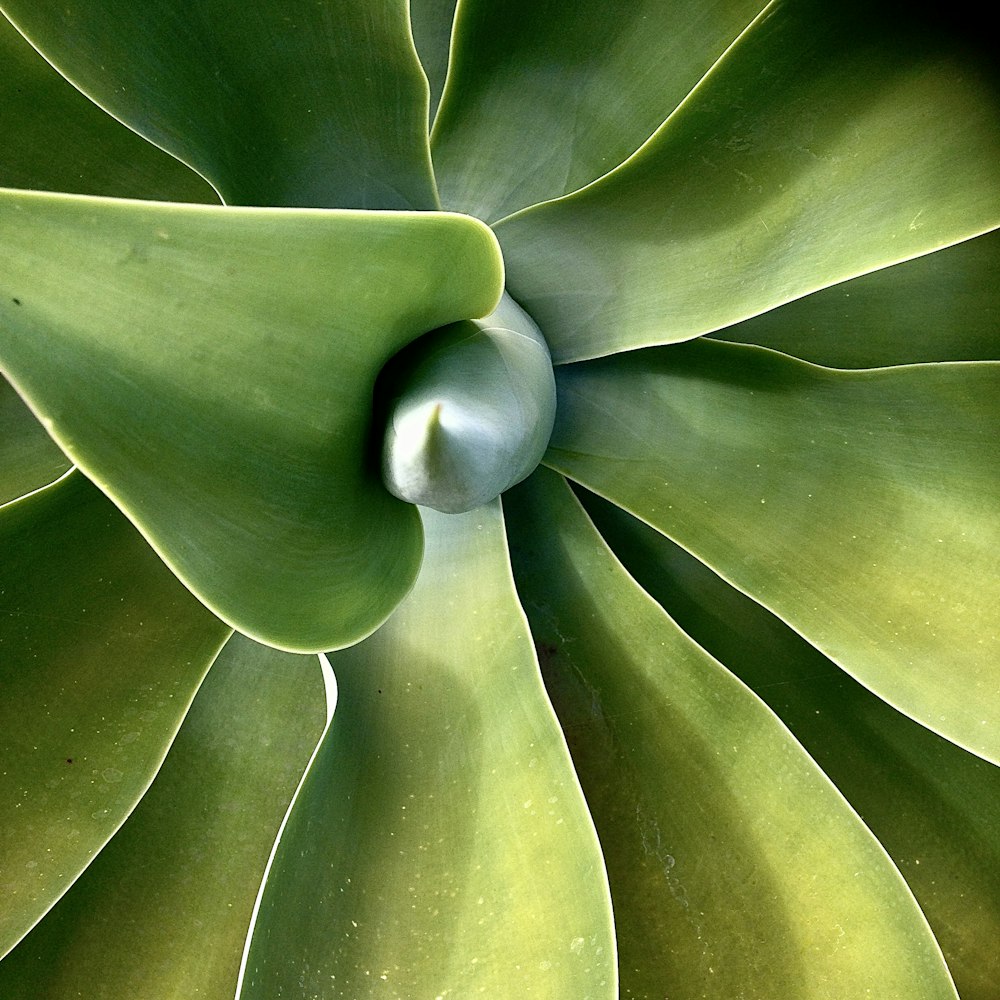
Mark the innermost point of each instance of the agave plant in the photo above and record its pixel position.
(279, 661)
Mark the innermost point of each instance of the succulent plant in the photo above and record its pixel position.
(550, 553)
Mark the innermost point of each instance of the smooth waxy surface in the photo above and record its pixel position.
(192, 855)
(440, 838)
(544, 97)
(810, 154)
(472, 411)
(117, 320)
(939, 307)
(95, 155)
(101, 652)
(431, 21)
(723, 883)
(28, 457)
(860, 507)
(933, 806)
(320, 105)
(882, 141)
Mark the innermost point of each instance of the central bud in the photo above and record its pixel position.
(470, 411)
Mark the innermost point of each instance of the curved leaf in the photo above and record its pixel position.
(314, 105)
(544, 97)
(101, 652)
(811, 153)
(736, 869)
(28, 457)
(440, 846)
(860, 507)
(934, 807)
(470, 411)
(41, 113)
(431, 22)
(940, 307)
(212, 370)
(163, 911)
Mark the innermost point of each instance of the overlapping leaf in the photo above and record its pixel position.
(736, 869)
(101, 651)
(431, 21)
(860, 507)
(940, 307)
(933, 806)
(544, 97)
(320, 104)
(212, 369)
(57, 140)
(440, 845)
(811, 153)
(181, 877)
(28, 457)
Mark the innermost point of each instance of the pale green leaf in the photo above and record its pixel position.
(933, 806)
(811, 153)
(470, 411)
(58, 140)
(941, 307)
(736, 868)
(212, 370)
(440, 845)
(860, 507)
(316, 105)
(544, 97)
(431, 22)
(163, 911)
(101, 652)
(28, 457)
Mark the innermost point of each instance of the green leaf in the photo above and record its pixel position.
(940, 307)
(58, 140)
(736, 868)
(431, 22)
(319, 105)
(545, 97)
(934, 807)
(164, 909)
(811, 153)
(470, 411)
(440, 845)
(212, 370)
(101, 652)
(860, 507)
(28, 457)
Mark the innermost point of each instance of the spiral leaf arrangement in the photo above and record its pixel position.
(498, 500)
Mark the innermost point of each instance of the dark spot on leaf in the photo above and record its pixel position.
(69, 760)
(16, 302)
(545, 652)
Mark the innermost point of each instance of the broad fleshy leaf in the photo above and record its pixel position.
(212, 370)
(58, 140)
(933, 806)
(29, 459)
(736, 868)
(544, 97)
(320, 104)
(860, 507)
(101, 652)
(164, 910)
(440, 845)
(811, 153)
(944, 306)
(431, 21)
